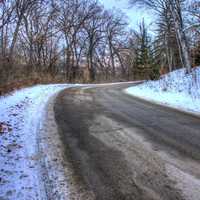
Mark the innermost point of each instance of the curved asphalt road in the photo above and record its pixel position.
(115, 143)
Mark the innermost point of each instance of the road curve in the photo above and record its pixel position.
(122, 147)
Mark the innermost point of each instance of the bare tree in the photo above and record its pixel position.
(175, 8)
(115, 31)
(22, 9)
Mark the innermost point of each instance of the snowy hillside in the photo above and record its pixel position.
(20, 116)
(176, 89)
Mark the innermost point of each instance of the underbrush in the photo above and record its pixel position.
(13, 85)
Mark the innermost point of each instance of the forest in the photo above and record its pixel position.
(99, 99)
(80, 41)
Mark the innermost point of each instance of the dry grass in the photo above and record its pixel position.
(34, 80)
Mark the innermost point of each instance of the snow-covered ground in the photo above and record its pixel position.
(20, 115)
(176, 89)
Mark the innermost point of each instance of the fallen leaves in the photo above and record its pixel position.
(13, 147)
(5, 127)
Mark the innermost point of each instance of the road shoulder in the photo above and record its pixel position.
(58, 174)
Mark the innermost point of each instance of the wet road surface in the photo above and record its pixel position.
(122, 147)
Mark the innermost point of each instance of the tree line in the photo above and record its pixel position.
(81, 41)
(177, 40)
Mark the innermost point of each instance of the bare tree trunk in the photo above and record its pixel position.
(112, 58)
(15, 35)
(177, 18)
(168, 52)
(90, 63)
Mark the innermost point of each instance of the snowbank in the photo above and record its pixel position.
(20, 115)
(176, 89)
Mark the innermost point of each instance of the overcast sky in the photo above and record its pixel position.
(135, 14)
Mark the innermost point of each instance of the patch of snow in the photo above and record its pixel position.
(176, 89)
(20, 115)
